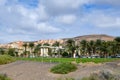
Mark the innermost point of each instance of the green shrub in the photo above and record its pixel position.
(4, 59)
(4, 77)
(63, 68)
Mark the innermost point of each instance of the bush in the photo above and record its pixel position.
(63, 68)
(65, 54)
(11, 51)
(4, 77)
(4, 59)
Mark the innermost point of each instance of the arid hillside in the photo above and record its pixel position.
(94, 37)
(62, 41)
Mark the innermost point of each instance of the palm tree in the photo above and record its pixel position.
(104, 48)
(11, 51)
(114, 47)
(98, 45)
(92, 46)
(70, 44)
(2, 51)
(110, 48)
(56, 44)
(31, 45)
(25, 46)
(46, 44)
(84, 47)
(37, 49)
(117, 39)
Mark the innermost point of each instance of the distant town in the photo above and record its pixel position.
(82, 46)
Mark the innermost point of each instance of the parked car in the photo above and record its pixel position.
(83, 57)
(95, 56)
(118, 56)
(112, 56)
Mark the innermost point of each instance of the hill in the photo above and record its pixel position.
(94, 37)
(61, 41)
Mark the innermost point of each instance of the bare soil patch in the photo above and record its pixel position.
(27, 70)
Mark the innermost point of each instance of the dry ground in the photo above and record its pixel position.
(26, 70)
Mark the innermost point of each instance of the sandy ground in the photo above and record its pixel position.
(27, 70)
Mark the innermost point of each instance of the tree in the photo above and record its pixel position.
(59, 51)
(46, 44)
(31, 45)
(11, 51)
(25, 46)
(110, 47)
(105, 48)
(84, 47)
(114, 47)
(56, 44)
(92, 47)
(98, 44)
(70, 44)
(37, 49)
(2, 51)
(117, 39)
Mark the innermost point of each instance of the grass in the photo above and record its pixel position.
(4, 77)
(64, 68)
(69, 60)
(4, 59)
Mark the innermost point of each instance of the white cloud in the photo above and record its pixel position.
(37, 14)
(66, 19)
(51, 16)
(101, 19)
(56, 7)
(2, 2)
(45, 27)
(25, 20)
(66, 3)
(43, 15)
(108, 2)
(108, 21)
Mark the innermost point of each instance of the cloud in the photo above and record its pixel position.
(66, 19)
(25, 20)
(38, 14)
(28, 19)
(66, 3)
(102, 19)
(108, 2)
(56, 7)
(2, 2)
(46, 28)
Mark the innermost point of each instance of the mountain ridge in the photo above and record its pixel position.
(62, 41)
(95, 37)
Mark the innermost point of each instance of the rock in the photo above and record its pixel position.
(118, 64)
(90, 64)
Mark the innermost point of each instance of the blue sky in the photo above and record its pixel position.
(31, 20)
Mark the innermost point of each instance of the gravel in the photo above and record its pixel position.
(28, 70)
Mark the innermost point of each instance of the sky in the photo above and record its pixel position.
(32, 20)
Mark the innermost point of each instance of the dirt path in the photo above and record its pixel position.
(26, 70)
